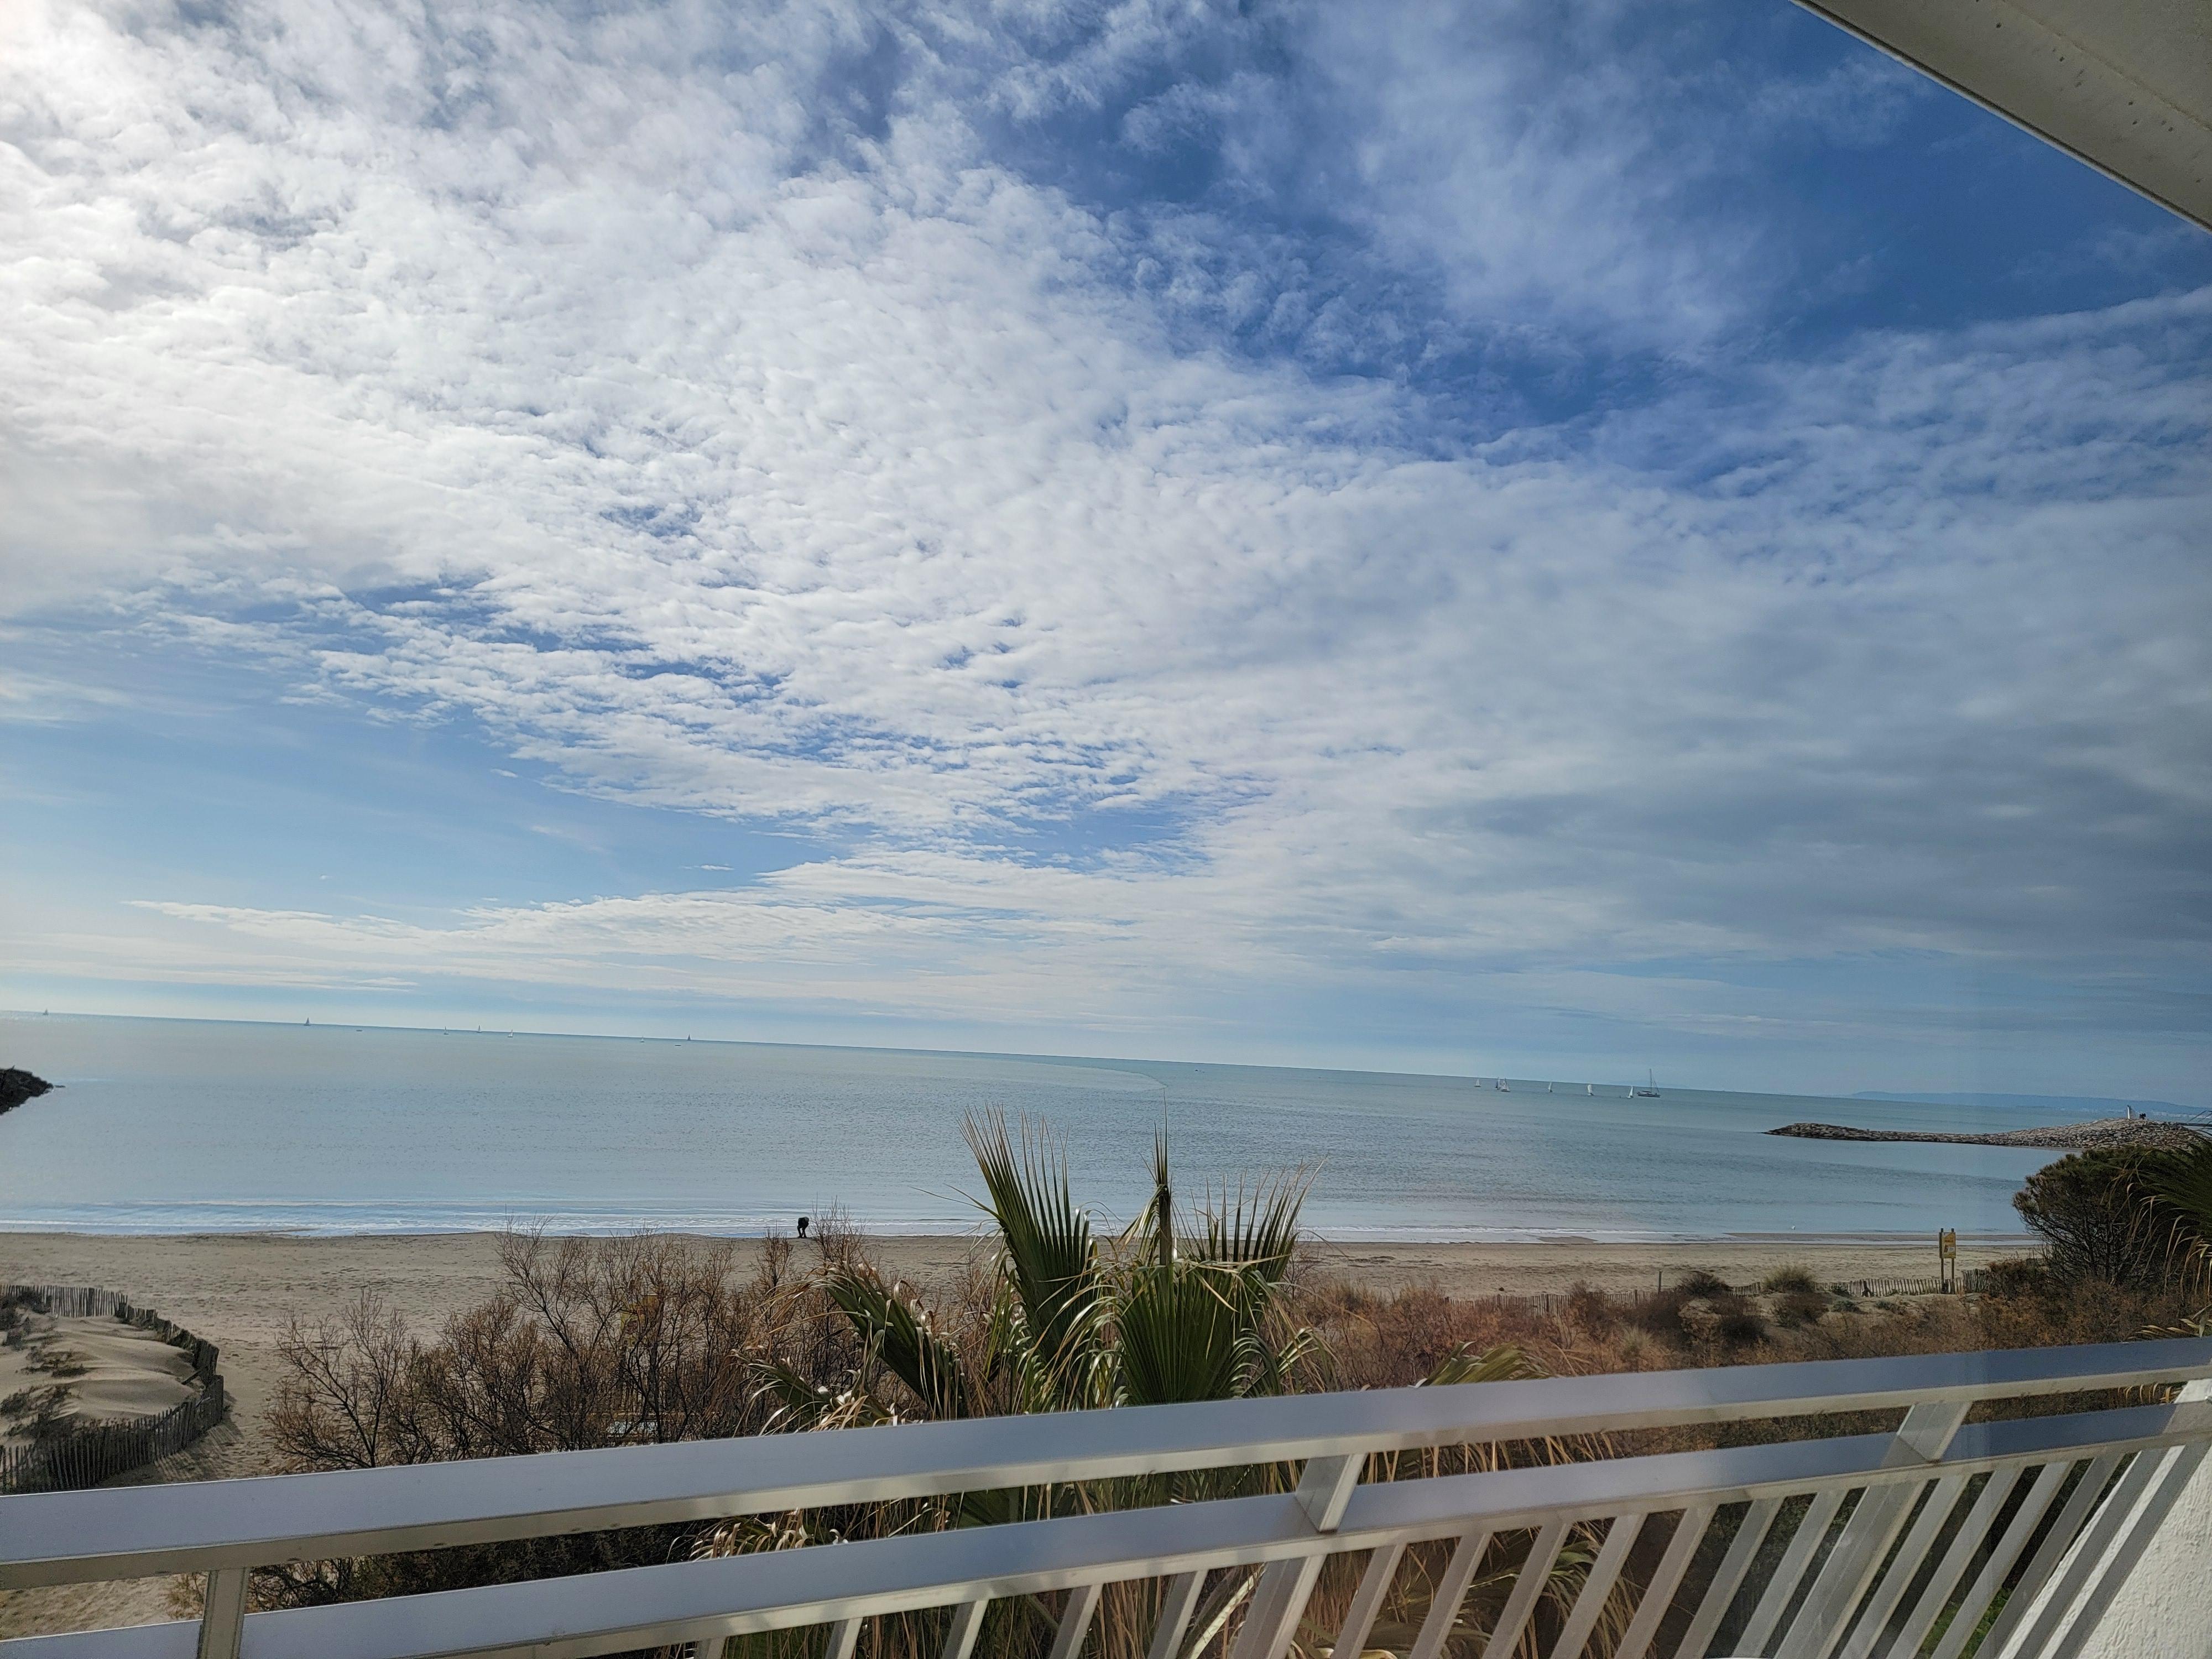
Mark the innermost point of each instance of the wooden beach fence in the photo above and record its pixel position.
(85, 1455)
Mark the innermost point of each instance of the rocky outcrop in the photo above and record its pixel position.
(2106, 1134)
(17, 1086)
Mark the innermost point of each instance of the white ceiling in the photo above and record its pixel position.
(2125, 85)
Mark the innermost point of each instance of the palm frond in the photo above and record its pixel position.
(1153, 1232)
(1180, 1335)
(1503, 1363)
(1047, 1254)
(1258, 1228)
(898, 1333)
(802, 1407)
(2176, 1189)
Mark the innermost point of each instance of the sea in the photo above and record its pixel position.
(175, 1125)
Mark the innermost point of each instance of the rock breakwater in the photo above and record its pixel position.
(17, 1085)
(2106, 1134)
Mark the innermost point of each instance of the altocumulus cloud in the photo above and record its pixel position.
(1085, 470)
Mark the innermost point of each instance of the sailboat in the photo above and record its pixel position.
(1650, 1089)
(1500, 1086)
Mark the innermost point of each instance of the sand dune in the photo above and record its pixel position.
(87, 1370)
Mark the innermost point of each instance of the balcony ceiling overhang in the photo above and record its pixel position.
(2125, 85)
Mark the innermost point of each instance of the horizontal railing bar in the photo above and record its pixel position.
(703, 1600)
(74, 1537)
(1440, 1507)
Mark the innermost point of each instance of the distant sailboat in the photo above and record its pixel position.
(1590, 1088)
(1500, 1086)
(1650, 1090)
(1548, 1087)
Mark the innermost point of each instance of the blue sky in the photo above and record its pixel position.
(1545, 538)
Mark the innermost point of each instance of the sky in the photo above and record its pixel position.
(1548, 537)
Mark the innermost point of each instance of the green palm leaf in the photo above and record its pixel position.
(2174, 1191)
(1258, 1229)
(898, 1333)
(1047, 1257)
(1181, 1335)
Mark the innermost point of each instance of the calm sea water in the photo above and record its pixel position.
(167, 1126)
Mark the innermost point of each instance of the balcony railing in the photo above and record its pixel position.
(1840, 1547)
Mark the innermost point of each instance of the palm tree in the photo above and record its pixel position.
(1166, 1313)
(1179, 1307)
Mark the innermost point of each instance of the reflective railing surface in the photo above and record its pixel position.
(1837, 1547)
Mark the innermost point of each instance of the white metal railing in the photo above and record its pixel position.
(1842, 1547)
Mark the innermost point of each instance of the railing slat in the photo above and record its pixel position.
(1720, 1595)
(1528, 1584)
(1176, 1609)
(967, 1622)
(1973, 1532)
(222, 1616)
(1449, 1591)
(1324, 1489)
(1075, 1621)
(1968, 1616)
(1619, 1539)
(1812, 1532)
(1659, 1594)
(1367, 1601)
(1942, 1500)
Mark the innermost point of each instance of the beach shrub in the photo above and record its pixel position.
(1590, 1310)
(1790, 1279)
(1737, 1322)
(2097, 1220)
(1795, 1308)
(2016, 1275)
(1699, 1308)
(589, 1343)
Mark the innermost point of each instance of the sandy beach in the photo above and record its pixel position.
(240, 1292)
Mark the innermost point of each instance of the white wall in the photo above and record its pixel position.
(2164, 1610)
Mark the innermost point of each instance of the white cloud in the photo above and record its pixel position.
(614, 384)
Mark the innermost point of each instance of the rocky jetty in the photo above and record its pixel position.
(17, 1086)
(2106, 1134)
